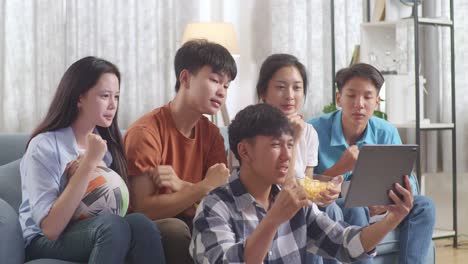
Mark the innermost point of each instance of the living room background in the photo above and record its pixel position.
(141, 38)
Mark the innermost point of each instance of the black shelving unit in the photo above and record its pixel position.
(417, 23)
(450, 127)
(332, 32)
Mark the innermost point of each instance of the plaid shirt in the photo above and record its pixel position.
(228, 216)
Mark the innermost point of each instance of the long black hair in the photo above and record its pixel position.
(63, 110)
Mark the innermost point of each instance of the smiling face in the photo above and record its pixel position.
(268, 157)
(207, 89)
(358, 99)
(285, 90)
(98, 105)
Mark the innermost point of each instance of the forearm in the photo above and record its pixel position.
(309, 172)
(257, 245)
(63, 208)
(160, 206)
(373, 234)
(335, 170)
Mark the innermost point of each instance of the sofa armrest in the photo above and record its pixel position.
(11, 242)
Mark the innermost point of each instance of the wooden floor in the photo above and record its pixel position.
(446, 254)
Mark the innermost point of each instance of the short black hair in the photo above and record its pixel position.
(255, 120)
(272, 64)
(197, 53)
(362, 70)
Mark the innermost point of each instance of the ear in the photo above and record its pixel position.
(377, 102)
(184, 78)
(338, 98)
(243, 149)
(78, 103)
(261, 98)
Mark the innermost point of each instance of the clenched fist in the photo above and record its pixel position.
(97, 147)
(290, 199)
(216, 176)
(165, 176)
(298, 125)
(349, 157)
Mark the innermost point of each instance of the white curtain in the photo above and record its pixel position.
(461, 82)
(40, 39)
(303, 28)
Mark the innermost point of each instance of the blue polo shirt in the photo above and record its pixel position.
(332, 142)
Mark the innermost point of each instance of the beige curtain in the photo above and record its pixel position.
(40, 39)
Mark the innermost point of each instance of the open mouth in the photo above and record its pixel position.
(284, 169)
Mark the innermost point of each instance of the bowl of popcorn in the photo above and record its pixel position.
(317, 184)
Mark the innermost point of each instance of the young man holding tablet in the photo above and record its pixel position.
(343, 132)
(253, 220)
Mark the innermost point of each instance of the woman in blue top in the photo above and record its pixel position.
(81, 124)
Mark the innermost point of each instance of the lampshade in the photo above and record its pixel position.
(221, 33)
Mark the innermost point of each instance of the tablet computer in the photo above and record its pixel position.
(377, 168)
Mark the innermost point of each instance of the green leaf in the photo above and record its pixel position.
(329, 108)
(380, 114)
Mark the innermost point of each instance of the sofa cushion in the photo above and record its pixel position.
(10, 184)
(49, 261)
(11, 243)
(13, 146)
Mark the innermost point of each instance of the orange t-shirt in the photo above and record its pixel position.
(154, 140)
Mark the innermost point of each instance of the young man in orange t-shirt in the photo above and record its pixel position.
(175, 154)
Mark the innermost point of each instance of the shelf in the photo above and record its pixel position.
(445, 22)
(395, 46)
(427, 126)
(381, 24)
(442, 233)
(440, 21)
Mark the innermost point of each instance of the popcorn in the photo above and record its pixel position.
(314, 187)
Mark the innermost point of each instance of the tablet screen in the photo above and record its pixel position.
(377, 169)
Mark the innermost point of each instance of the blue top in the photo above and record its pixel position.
(228, 216)
(42, 176)
(332, 143)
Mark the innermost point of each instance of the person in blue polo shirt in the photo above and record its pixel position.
(341, 135)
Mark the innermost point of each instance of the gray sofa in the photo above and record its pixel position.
(12, 147)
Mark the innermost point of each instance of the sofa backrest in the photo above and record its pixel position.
(10, 184)
(12, 146)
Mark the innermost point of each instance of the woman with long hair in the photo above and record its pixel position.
(81, 131)
(283, 83)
